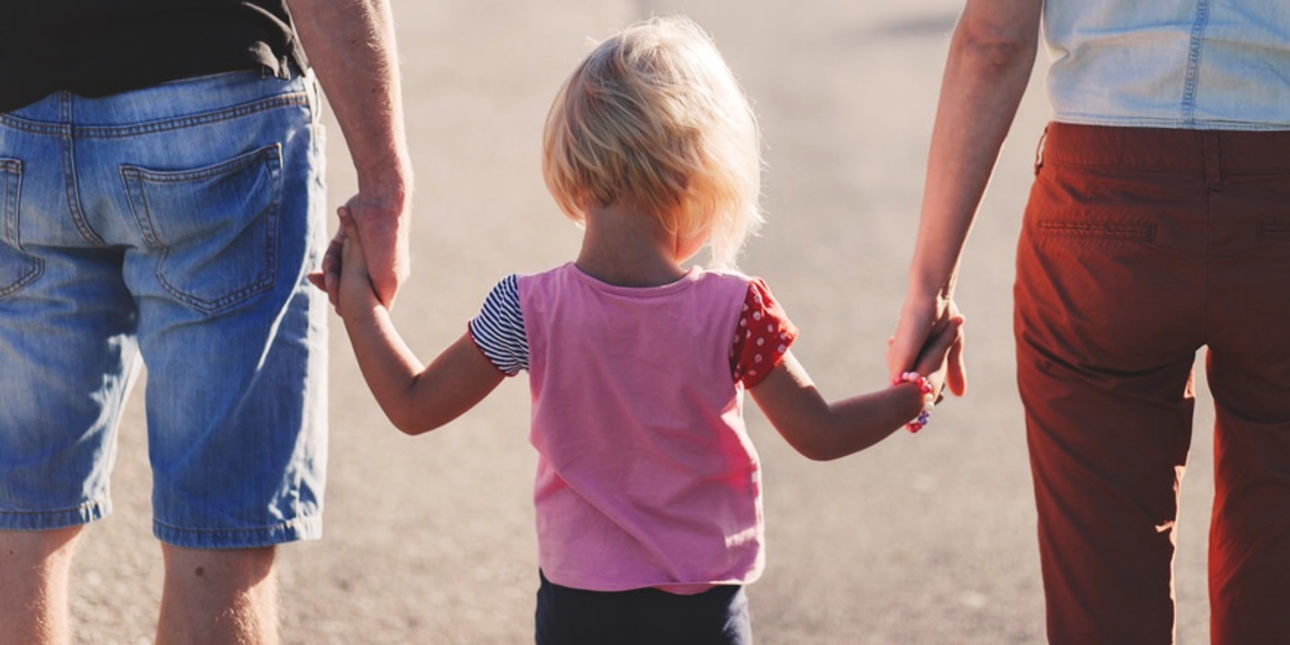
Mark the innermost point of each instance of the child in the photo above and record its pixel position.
(648, 495)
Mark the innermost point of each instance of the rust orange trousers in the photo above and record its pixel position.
(1140, 246)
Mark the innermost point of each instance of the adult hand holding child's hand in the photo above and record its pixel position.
(922, 322)
(941, 356)
(354, 286)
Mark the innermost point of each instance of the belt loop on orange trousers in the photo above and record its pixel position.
(1039, 150)
(1213, 165)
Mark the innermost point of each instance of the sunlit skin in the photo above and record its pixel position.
(992, 54)
(34, 571)
(652, 148)
(628, 247)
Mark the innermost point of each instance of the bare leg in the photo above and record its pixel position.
(34, 571)
(218, 597)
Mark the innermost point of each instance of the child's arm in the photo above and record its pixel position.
(416, 399)
(822, 430)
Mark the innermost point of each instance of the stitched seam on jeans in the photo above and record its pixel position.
(258, 156)
(292, 524)
(37, 270)
(1195, 46)
(71, 180)
(10, 194)
(164, 125)
(270, 156)
(10, 191)
(83, 506)
(228, 114)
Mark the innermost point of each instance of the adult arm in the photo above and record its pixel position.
(351, 47)
(992, 54)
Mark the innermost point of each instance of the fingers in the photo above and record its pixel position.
(904, 347)
(317, 279)
(956, 378)
(382, 248)
(943, 341)
(352, 255)
(347, 221)
(385, 248)
(932, 361)
(328, 279)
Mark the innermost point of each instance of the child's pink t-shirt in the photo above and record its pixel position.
(646, 476)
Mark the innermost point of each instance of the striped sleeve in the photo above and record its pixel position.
(498, 330)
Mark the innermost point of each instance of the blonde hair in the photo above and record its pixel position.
(654, 117)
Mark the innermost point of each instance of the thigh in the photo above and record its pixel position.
(67, 343)
(216, 188)
(1249, 374)
(1249, 540)
(567, 616)
(1107, 321)
(229, 592)
(718, 616)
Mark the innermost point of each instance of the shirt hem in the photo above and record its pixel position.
(677, 588)
(1169, 124)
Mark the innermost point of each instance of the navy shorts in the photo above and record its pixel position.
(568, 616)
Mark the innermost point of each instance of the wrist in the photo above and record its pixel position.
(387, 182)
(386, 196)
(933, 286)
(933, 273)
(926, 398)
(357, 296)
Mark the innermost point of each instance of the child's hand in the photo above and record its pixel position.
(919, 320)
(933, 359)
(355, 284)
(327, 277)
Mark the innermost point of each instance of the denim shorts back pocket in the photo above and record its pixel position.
(215, 228)
(17, 268)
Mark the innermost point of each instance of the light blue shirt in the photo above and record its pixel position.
(1200, 64)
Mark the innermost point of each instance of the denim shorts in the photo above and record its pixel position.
(171, 226)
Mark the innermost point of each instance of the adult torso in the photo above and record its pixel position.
(97, 47)
(1207, 64)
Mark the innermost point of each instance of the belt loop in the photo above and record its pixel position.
(280, 71)
(65, 109)
(1039, 150)
(1213, 164)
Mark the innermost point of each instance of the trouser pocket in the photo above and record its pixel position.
(216, 226)
(17, 268)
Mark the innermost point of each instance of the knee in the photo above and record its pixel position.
(234, 568)
(38, 550)
(227, 596)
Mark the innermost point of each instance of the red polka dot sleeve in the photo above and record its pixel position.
(762, 337)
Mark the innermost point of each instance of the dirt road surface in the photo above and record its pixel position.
(924, 539)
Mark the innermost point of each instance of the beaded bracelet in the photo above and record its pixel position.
(929, 400)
